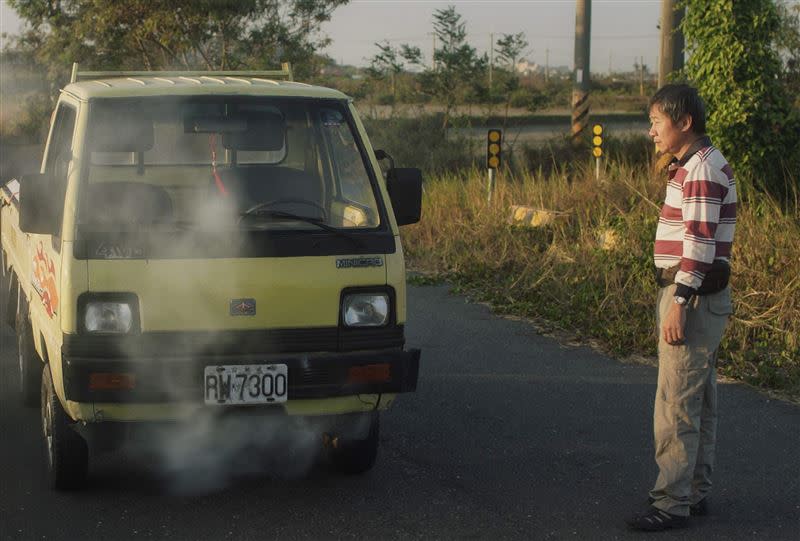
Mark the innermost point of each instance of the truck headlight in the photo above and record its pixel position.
(110, 317)
(365, 309)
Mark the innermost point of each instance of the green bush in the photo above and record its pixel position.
(385, 99)
(30, 124)
(737, 68)
(420, 142)
(558, 155)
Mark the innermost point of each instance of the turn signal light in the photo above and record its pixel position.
(370, 373)
(106, 381)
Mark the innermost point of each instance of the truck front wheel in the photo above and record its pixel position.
(67, 454)
(356, 456)
(30, 366)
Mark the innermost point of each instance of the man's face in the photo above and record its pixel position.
(671, 137)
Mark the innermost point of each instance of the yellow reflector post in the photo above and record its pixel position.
(597, 140)
(494, 149)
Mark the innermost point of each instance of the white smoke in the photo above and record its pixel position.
(209, 452)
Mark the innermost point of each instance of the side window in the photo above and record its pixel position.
(352, 178)
(59, 156)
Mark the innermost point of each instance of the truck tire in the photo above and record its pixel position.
(357, 456)
(30, 365)
(66, 452)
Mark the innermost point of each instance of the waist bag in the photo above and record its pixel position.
(714, 281)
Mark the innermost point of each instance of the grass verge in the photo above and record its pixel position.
(589, 271)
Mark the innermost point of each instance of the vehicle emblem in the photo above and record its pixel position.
(119, 251)
(359, 262)
(243, 307)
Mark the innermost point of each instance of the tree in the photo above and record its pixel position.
(388, 62)
(457, 69)
(735, 63)
(163, 34)
(509, 48)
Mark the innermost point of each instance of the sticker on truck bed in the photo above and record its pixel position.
(44, 280)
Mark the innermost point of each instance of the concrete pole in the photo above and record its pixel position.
(672, 42)
(678, 42)
(433, 51)
(641, 76)
(580, 89)
(491, 60)
(547, 64)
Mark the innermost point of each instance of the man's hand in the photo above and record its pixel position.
(672, 327)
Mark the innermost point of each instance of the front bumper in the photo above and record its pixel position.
(175, 379)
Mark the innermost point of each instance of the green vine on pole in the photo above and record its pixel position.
(735, 63)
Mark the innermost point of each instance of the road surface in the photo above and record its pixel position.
(509, 436)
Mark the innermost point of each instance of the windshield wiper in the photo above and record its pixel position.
(307, 219)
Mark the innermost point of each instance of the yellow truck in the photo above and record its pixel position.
(207, 243)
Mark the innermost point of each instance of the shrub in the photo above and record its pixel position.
(420, 142)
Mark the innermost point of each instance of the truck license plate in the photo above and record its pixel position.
(246, 384)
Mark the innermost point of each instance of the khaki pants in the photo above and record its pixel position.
(685, 417)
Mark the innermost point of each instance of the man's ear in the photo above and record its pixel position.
(685, 123)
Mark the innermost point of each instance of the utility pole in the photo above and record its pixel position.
(491, 60)
(641, 76)
(433, 51)
(580, 88)
(547, 65)
(609, 64)
(672, 42)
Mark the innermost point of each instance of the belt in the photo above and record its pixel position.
(714, 281)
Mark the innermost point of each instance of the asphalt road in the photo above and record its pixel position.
(509, 436)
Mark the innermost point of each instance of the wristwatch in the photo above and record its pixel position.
(682, 301)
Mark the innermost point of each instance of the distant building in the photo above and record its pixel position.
(526, 67)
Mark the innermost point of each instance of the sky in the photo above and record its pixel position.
(622, 30)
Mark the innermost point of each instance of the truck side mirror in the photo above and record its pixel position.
(405, 190)
(39, 212)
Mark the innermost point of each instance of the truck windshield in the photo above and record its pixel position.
(225, 163)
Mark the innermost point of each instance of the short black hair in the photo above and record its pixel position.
(678, 100)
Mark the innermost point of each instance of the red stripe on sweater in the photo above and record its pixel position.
(704, 230)
(669, 247)
(680, 175)
(671, 213)
(723, 249)
(727, 210)
(690, 265)
(704, 188)
(728, 170)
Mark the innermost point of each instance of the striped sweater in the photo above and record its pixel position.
(698, 218)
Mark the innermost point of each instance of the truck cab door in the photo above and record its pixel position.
(45, 249)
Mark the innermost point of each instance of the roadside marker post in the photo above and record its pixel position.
(494, 151)
(597, 148)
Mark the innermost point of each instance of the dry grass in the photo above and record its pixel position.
(566, 274)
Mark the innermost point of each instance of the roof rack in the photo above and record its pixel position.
(284, 72)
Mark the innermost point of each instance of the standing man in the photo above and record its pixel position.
(692, 259)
